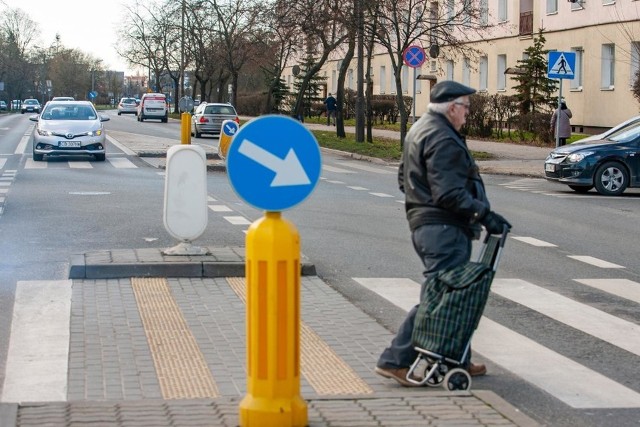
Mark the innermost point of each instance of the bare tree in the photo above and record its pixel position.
(402, 23)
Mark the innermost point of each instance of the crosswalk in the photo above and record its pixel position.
(567, 380)
(112, 161)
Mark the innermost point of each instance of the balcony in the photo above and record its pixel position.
(526, 23)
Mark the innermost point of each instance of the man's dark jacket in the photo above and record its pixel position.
(439, 177)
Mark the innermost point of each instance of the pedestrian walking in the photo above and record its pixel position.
(445, 204)
(331, 104)
(561, 130)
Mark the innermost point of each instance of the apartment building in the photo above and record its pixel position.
(604, 34)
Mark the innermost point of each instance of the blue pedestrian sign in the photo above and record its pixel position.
(229, 127)
(414, 56)
(274, 162)
(561, 65)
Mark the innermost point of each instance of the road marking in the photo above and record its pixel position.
(534, 242)
(37, 365)
(237, 220)
(367, 168)
(80, 165)
(3, 161)
(623, 288)
(582, 317)
(550, 371)
(595, 261)
(358, 188)
(334, 182)
(381, 195)
(220, 208)
(22, 145)
(335, 169)
(121, 163)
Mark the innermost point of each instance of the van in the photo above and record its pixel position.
(153, 106)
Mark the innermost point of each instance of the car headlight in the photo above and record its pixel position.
(578, 157)
(43, 132)
(96, 132)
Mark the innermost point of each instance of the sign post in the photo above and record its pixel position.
(414, 57)
(560, 65)
(273, 163)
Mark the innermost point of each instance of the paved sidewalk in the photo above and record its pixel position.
(159, 340)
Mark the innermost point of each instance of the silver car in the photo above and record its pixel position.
(208, 118)
(127, 106)
(69, 128)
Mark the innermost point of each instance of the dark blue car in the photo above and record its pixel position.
(611, 165)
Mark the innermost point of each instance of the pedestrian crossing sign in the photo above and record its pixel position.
(561, 65)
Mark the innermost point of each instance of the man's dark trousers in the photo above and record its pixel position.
(439, 246)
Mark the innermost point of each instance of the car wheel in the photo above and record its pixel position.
(38, 157)
(581, 188)
(119, 113)
(611, 179)
(101, 157)
(198, 134)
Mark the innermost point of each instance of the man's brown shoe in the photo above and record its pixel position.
(398, 374)
(476, 370)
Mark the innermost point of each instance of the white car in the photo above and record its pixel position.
(631, 122)
(69, 128)
(127, 106)
(153, 106)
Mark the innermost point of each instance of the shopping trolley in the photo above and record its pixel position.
(449, 313)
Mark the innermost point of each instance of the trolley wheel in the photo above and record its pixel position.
(437, 377)
(457, 379)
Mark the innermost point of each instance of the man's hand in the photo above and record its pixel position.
(494, 223)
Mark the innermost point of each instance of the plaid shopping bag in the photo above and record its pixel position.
(451, 308)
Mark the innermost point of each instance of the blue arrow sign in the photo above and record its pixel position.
(561, 65)
(274, 162)
(229, 127)
(414, 56)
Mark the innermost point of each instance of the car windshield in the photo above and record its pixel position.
(75, 112)
(31, 101)
(128, 101)
(626, 134)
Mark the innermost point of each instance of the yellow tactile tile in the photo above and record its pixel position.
(180, 365)
(325, 371)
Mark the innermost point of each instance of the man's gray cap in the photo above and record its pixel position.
(449, 90)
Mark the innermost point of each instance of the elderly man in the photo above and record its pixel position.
(445, 203)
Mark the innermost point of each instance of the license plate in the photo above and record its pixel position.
(549, 167)
(69, 144)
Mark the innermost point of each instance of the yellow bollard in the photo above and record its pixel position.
(273, 326)
(185, 128)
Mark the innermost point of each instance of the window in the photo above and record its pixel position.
(450, 9)
(405, 79)
(608, 66)
(350, 78)
(383, 80)
(417, 82)
(466, 72)
(502, 77)
(552, 6)
(635, 62)
(502, 10)
(484, 73)
(576, 83)
(434, 66)
(484, 12)
(577, 5)
(333, 81)
(449, 69)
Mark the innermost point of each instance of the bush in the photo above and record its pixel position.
(252, 104)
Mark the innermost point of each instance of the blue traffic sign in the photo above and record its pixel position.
(229, 127)
(561, 65)
(414, 56)
(274, 162)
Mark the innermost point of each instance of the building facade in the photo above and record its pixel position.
(604, 34)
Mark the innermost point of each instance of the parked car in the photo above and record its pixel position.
(127, 106)
(610, 164)
(30, 106)
(208, 118)
(69, 128)
(153, 106)
(3, 105)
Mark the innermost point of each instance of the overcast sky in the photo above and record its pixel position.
(88, 25)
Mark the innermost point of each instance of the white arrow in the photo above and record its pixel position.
(288, 171)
